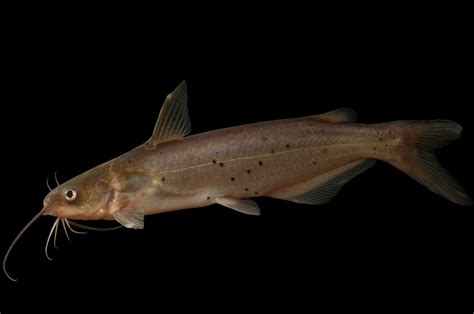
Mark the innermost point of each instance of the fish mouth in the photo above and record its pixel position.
(53, 211)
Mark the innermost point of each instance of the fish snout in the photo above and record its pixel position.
(47, 200)
(52, 211)
(51, 206)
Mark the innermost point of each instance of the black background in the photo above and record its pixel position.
(76, 101)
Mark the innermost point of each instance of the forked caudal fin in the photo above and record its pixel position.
(420, 140)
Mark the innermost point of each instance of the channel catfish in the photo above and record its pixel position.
(304, 160)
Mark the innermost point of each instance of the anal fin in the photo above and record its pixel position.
(323, 188)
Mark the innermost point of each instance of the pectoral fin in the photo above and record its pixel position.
(248, 207)
(130, 218)
(124, 213)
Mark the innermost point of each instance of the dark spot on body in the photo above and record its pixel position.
(273, 151)
(380, 139)
(129, 161)
(386, 145)
(232, 179)
(208, 198)
(163, 179)
(287, 145)
(248, 171)
(315, 163)
(247, 189)
(214, 161)
(256, 193)
(161, 153)
(374, 148)
(260, 163)
(390, 132)
(221, 164)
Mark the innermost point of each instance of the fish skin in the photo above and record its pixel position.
(285, 159)
(184, 173)
(277, 154)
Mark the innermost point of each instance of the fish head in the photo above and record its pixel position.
(84, 197)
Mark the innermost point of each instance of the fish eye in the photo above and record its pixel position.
(71, 195)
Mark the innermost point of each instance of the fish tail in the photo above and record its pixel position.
(416, 157)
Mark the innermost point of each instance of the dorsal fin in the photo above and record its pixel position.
(173, 122)
(337, 116)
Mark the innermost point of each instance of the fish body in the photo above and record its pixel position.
(304, 160)
(261, 159)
